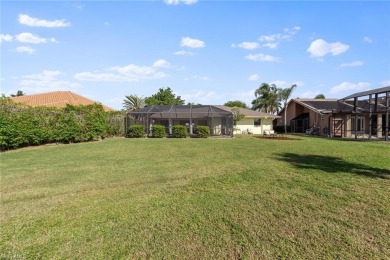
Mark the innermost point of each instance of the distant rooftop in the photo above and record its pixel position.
(57, 99)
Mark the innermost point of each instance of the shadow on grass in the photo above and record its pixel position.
(332, 164)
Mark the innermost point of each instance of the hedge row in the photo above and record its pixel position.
(22, 125)
(158, 131)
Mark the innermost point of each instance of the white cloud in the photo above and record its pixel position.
(35, 22)
(254, 77)
(320, 48)
(91, 76)
(201, 77)
(285, 84)
(32, 38)
(271, 45)
(200, 96)
(27, 49)
(367, 40)
(45, 81)
(192, 43)
(129, 73)
(262, 57)
(184, 53)
(177, 2)
(386, 83)
(78, 6)
(307, 94)
(5, 38)
(247, 45)
(272, 40)
(348, 86)
(352, 64)
(161, 64)
(46, 75)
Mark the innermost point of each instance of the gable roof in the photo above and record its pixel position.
(57, 99)
(248, 112)
(318, 105)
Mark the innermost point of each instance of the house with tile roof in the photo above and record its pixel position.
(57, 99)
(361, 115)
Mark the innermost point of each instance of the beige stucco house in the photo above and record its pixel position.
(254, 122)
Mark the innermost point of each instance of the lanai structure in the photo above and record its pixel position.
(364, 113)
(220, 121)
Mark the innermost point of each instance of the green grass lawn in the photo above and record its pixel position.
(197, 198)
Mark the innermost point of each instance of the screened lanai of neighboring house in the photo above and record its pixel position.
(369, 113)
(220, 121)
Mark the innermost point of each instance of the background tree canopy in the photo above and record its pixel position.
(236, 103)
(164, 97)
(320, 96)
(267, 99)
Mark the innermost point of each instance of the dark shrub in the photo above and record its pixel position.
(280, 129)
(179, 131)
(136, 131)
(202, 131)
(158, 131)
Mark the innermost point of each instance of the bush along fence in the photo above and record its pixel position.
(159, 131)
(22, 125)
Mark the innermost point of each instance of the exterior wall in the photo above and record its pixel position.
(248, 124)
(291, 113)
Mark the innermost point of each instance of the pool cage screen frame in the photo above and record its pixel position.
(218, 120)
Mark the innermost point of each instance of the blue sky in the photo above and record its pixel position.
(208, 52)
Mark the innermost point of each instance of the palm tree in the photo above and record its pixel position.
(285, 94)
(267, 99)
(133, 102)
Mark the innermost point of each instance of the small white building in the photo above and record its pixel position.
(254, 122)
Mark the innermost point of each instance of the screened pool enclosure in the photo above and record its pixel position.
(220, 121)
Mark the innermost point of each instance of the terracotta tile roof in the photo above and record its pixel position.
(56, 99)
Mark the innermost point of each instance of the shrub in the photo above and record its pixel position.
(22, 125)
(158, 131)
(280, 128)
(136, 131)
(179, 131)
(202, 131)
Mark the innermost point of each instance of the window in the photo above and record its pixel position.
(360, 124)
(257, 122)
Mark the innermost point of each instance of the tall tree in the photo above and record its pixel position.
(267, 99)
(237, 116)
(164, 97)
(320, 96)
(284, 95)
(236, 103)
(133, 102)
(18, 94)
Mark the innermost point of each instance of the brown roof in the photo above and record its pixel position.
(56, 99)
(249, 113)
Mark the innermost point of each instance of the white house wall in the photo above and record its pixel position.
(248, 124)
